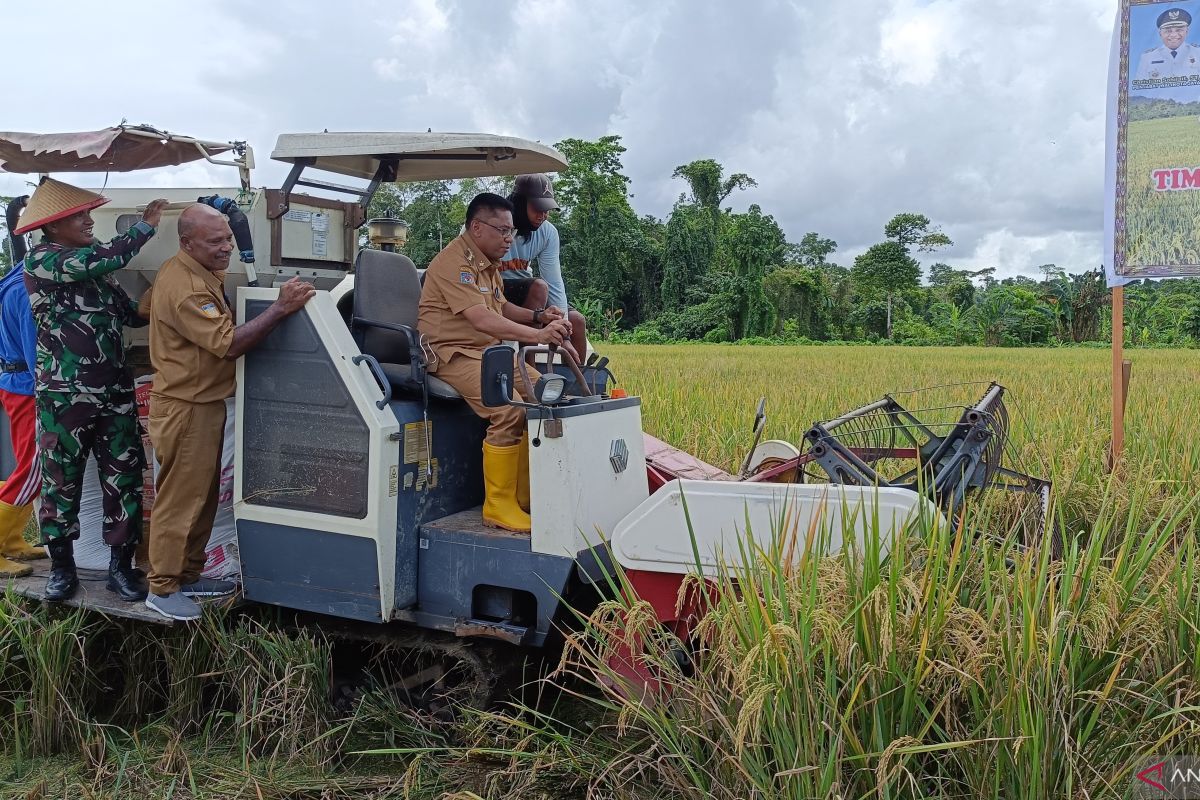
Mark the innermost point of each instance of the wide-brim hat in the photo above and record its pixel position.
(54, 200)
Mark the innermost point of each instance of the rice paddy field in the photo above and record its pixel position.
(959, 666)
(702, 400)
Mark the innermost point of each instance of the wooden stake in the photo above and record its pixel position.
(1118, 377)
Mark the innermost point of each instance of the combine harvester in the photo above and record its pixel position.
(358, 476)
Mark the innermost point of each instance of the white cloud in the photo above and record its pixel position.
(986, 116)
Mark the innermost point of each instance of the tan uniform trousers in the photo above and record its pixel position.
(505, 423)
(187, 439)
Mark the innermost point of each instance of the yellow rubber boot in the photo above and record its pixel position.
(11, 569)
(523, 473)
(500, 509)
(13, 520)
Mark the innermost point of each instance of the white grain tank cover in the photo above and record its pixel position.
(654, 537)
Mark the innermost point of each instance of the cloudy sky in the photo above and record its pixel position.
(986, 115)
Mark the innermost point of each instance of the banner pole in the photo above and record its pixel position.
(1118, 376)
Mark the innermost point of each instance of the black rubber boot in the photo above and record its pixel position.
(122, 577)
(63, 581)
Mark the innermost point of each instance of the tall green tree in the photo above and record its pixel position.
(1051, 271)
(1078, 302)
(593, 176)
(605, 251)
(755, 242)
(886, 269)
(688, 247)
(941, 274)
(708, 186)
(693, 243)
(812, 251)
(802, 301)
(915, 230)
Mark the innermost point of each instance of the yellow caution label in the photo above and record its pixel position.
(418, 439)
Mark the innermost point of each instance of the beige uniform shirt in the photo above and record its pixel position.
(458, 277)
(191, 329)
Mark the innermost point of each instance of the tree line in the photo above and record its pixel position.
(707, 273)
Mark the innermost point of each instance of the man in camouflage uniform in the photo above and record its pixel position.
(85, 399)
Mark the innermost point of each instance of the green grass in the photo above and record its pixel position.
(956, 668)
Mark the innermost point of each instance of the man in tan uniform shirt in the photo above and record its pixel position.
(194, 345)
(462, 313)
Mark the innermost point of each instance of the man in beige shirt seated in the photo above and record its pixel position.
(194, 345)
(462, 313)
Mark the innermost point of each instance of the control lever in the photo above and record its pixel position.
(598, 366)
(760, 422)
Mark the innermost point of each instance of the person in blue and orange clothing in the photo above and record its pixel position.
(18, 353)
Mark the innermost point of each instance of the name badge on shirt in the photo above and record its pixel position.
(484, 289)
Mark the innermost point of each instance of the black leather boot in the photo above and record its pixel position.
(63, 581)
(122, 577)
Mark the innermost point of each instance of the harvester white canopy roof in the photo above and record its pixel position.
(419, 156)
(122, 148)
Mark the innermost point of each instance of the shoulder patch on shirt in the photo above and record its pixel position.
(466, 277)
(210, 310)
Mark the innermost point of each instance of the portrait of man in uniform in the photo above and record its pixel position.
(1175, 57)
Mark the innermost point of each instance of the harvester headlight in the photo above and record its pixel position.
(550, 388)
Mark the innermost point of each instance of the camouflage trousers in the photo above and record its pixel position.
(71, 426)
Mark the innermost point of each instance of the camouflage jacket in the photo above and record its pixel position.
(81, 311)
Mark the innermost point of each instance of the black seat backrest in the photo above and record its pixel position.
(386, 289)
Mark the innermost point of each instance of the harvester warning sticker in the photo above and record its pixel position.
(320, 243)
(430, 477)
(417, 439)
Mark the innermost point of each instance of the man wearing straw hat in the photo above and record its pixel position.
(85, 401)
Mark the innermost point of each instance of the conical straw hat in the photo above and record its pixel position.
(54, 200)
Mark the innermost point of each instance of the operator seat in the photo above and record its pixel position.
(387, 290)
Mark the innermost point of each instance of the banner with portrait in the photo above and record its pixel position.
(1152, 215)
